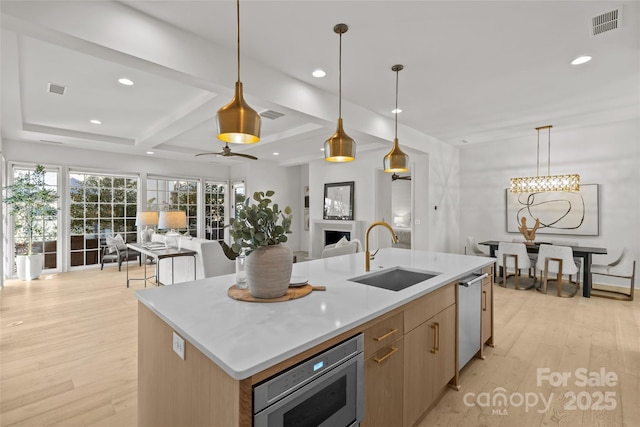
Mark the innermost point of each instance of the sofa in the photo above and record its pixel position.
(342, 247)
(210, 261)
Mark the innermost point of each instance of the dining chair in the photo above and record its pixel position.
(513, 256)
(623, 268)
(475, 248)
(557, 260)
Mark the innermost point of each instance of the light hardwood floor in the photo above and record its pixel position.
(68, 357)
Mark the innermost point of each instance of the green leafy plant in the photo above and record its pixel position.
(30, 203)
(257, 223)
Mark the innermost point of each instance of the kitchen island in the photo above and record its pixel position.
(231, 345)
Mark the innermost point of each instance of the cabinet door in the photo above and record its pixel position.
(430, 362)
(444, 359)
(418, 366)
(487, 313)
(383, 383)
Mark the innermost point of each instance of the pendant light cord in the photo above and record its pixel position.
(238, 19)
(549, 154)
(397, 73)
(340, 78)
(538, 160)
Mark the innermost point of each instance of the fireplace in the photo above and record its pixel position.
(332, 236)
(353, 229)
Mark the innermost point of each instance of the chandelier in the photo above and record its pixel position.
(536, 184)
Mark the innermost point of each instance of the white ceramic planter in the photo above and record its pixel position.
(269, 271)
(29, 266)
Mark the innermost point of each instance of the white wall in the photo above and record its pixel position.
(608, 155)
(435, 182)
(287, 184)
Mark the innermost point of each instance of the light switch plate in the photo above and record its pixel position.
(178, 345)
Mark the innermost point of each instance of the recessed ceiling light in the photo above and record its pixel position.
(150, 152)
(318, 73)
(95, 122)
(396, 110)
(276, 154)
(322, 149)
(125, 81)
(581, 60)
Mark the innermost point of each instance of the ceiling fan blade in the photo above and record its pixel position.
(208, 154)
(248, 156)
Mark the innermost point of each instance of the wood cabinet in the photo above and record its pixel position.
(430, 357)
(486, 317)
(410, 357)
(383, 372)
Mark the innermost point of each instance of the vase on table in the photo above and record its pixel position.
(269, 271)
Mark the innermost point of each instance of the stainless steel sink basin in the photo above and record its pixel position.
(394, 279)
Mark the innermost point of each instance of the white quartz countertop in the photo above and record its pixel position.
(244, 338)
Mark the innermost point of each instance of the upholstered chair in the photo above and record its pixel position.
(622, 268)
(475, 248)
(513, 257)
(555, 259)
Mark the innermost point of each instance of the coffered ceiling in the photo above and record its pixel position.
(475, 72)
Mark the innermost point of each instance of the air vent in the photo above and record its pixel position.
(270, 114)
(54, 88)
(606, 21)
(51, 142)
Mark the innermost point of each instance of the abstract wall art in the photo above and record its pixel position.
(572, 213)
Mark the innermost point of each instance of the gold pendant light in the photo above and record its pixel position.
(396, 160)
(237, 122)
(340, 147)
(536, 184)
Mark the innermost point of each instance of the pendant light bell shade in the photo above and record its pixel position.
(396, 160)
(340, 147)
(237, 122)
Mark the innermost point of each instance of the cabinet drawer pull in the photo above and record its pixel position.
(436, 337)
(386, 356)
(484, 305)
(387, 335)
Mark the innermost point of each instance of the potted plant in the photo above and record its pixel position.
(257, 232)
(30, 203)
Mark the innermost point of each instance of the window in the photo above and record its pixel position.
(239, 195)
(45, 238)
(214, 209)
(165, 194)
(101, 205)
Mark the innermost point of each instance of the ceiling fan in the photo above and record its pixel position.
(396, 176)
(226, 152)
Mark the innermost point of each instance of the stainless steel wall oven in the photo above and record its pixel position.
(326, 390)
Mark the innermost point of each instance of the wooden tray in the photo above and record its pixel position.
(293, 292)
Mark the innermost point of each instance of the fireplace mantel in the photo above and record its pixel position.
(318, 226)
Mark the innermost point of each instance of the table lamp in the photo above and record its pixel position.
(172, 220)
(146, 219)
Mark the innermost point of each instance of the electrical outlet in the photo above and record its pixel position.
(178, 345)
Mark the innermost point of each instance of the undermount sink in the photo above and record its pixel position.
(394, 279)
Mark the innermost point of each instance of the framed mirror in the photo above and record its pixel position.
(338, 201)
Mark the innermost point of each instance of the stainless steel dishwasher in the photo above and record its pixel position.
(469, 313)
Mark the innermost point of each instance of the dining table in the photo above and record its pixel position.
(584, 252)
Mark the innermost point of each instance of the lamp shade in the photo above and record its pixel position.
(146, 218)
(340, 147)
(396, 160)
(170, 220)
(237, 121)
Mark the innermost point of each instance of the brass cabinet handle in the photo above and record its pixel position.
(388, 334)
(436, 337)
(386, 356)
(484, 306)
